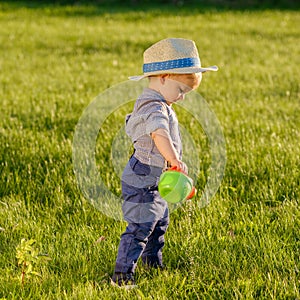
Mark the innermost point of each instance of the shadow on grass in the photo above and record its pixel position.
(188, 7)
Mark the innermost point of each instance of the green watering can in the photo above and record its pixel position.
(174, 186)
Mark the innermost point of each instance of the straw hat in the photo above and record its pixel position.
(172, 56)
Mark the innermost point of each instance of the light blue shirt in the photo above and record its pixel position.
(150, 113)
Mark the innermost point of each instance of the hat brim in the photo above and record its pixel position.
(189, 70)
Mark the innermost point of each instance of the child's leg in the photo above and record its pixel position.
(152, 254)
(132, 244)
(142, 209)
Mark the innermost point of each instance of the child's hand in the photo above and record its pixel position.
(179, 165)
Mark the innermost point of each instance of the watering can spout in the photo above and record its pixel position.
(192, 193)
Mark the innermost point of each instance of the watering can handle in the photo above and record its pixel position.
(175, 168)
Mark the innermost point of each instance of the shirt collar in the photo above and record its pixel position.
(150, 94)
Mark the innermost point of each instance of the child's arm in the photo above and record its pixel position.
(165, 146)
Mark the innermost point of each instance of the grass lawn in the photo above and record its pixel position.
(55, 60)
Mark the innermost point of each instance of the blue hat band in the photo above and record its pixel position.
(171, 64)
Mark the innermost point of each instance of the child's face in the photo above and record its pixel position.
(175, 87)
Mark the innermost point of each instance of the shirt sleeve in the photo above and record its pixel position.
(157, 117)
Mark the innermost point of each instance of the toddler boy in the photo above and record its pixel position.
(173, 69)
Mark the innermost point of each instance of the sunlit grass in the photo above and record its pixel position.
(55, 60)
